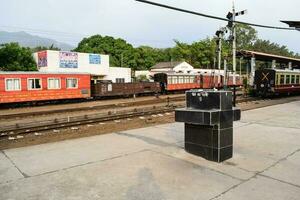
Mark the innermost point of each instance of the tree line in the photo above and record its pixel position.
(200, 54)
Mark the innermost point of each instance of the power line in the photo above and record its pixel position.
(211, 16)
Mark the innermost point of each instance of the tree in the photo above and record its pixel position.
(267, 46)
(121, 53)
(246, 36)
(16, 58)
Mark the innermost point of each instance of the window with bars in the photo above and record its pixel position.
(53, 83)
(12, 84)
(34, 84)
(292, 79)
(281, 79)
(288, 79)
(72, 83)
(298, 79)
(120, 80)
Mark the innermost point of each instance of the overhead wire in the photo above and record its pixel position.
(212, 16)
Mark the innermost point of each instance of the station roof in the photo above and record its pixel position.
(295, 24)
(268, 57)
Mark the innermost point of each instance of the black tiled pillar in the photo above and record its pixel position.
(208, 118)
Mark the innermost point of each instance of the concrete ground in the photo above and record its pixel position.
(150, 163)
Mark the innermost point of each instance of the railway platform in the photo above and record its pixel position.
(150, 163)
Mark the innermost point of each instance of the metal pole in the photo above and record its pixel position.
(219, 60)
(234, 55)
(225, 74)
(240, 67)
(233, 47)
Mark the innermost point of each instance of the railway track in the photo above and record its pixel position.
(21, 129)
(167, 100)
(27, 128)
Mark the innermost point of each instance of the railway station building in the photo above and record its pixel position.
(75, 62)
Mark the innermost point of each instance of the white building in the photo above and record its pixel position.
(95, 64)
(119, 75)
(145, 73)
(177, 67)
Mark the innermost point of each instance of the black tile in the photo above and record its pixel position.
(220, 155)
(199, 150)
(226, 119)
(194, 116)
(226, 101)
(201, 135)
(236, 114)
(225, 138)
(207, 100)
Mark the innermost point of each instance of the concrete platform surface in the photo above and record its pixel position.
(150, 163)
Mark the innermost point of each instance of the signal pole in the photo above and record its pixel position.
(231, 25)
(233, 46)
(220, 33)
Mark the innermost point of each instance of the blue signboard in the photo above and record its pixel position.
(68, 60)
(95, 59)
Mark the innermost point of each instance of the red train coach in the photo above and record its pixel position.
(37, 86)
(180, 81)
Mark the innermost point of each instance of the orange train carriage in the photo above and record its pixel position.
(37, 86)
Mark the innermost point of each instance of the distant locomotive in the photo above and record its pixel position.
(276, 81)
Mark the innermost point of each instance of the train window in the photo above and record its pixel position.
(34, 83)
(53, 83)
(12, 84)
(281, 79)
(186, 79)
(292, 79)
(169, 79)
(298, 79)
(191, 79)
(174, 79)
(181, 79)
(288, 79)
(72, 83)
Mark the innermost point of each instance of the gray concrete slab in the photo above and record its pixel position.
(150, 163)
(46, 158)
(261, 188)
(287, 169)
(144, 175)
(258, 146)
(8, 172)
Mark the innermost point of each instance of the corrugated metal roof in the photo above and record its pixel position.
(267, 56)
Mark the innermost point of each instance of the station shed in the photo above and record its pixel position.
(277, 61)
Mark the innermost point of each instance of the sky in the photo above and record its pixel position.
(140, 24)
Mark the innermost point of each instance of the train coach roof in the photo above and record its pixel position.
(36, 72)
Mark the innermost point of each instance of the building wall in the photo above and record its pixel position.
(183, 67)
(142, 73)
(119, 72)
(83, 63)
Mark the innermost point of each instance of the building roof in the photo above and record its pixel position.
(295, 24)
(163, 65)
(268, 57)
